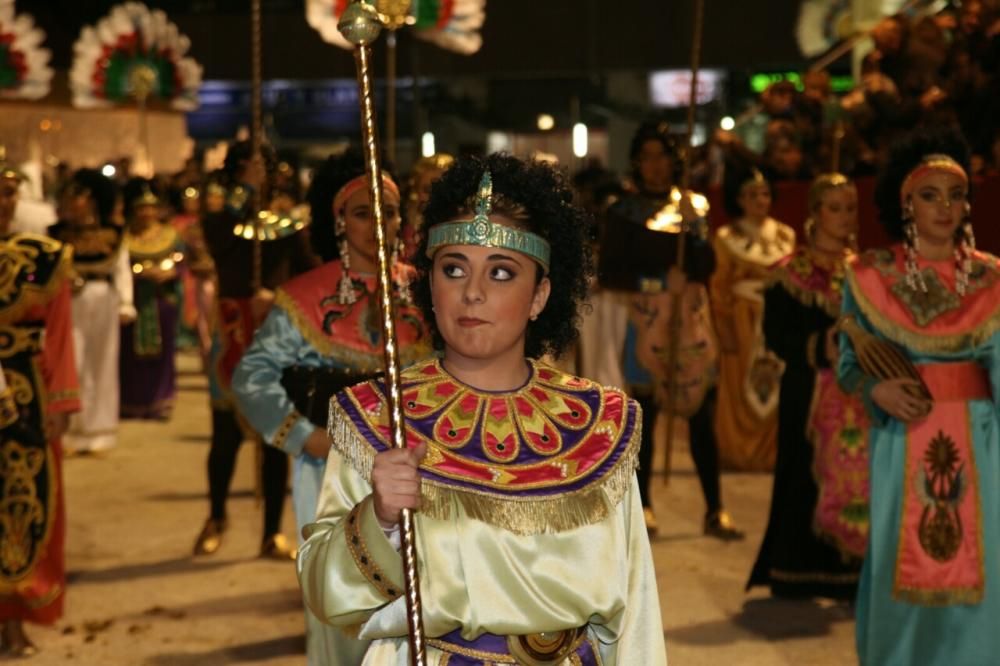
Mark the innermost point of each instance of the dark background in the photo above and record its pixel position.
(522, 38)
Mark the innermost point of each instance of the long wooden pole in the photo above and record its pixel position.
(361, 26)
(256, 134)
(675, 299)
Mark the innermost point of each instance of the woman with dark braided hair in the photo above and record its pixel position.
(930, 584)
(531, 533)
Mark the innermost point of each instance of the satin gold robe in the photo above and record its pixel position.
(479, 577)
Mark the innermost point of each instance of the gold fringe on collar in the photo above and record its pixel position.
(359, 361)
(523, 515)
(921, 341)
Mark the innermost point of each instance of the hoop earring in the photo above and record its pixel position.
(911, 245)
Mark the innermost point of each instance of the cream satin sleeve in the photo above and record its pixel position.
(347, 567)
(635, 636)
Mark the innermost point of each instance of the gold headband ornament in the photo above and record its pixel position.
(934, 163)
(485, 233)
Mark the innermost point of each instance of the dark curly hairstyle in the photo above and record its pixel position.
(333, 174)
(905, 156)
(329, 178)
(540, 195)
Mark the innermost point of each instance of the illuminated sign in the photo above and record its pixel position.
(671, 88)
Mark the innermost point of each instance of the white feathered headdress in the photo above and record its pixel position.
(131, 47)
(451, 24)
(24, 64)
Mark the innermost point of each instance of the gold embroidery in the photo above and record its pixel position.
(763, 246)
(359, 361)
(23, 291)
(450, 649)
(20, 509)
(941, 487)
(8, 408)
(927, 306)
(154, 246)
(518, 514)
(57, 396)
(20, 386)
(813, 576)
(286, 427)
(802, 267)
(359, 551)
(921, 341)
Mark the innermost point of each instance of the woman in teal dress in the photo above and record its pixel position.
(930, 586)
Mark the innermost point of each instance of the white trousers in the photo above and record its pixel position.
(96, 336)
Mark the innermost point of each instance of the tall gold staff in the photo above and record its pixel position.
(361, 25)
(675, 301)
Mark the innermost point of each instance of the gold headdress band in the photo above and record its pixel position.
(934, 163)
(146, 198)
(484, 233)
(352, 186)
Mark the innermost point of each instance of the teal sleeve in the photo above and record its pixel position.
(262, 399)
(849, 374)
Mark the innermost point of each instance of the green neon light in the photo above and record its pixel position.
(760, 81)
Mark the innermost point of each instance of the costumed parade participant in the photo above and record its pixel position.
(323, 335)
(817, 531)
(90, 222)
(148, 344)
(635, 258)
(523, 475)
(36, 350)
(746, 251)
(425, 171)
(285, 253)
(925, 312)
(194, 329)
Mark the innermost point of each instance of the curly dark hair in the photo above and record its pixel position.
(905, 156)
(541, 196)
(333, 174)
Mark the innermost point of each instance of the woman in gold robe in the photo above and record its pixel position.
(530, 528)
(746, 418)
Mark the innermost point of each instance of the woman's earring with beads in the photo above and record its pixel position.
(345, 289)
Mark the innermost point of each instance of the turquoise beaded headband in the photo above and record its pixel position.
(481, 231)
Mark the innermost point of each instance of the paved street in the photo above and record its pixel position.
(137, 597)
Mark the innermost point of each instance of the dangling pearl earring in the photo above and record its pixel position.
(345, 290)
(963, 254)
(914, 278)
(399, 277)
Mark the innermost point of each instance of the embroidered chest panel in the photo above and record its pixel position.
(813, 282)
(770, 244)
(31, 269)
(556, 435)
(940, 298)
(350, 333)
